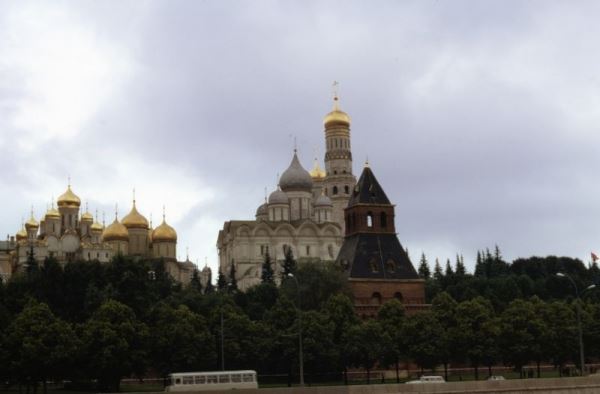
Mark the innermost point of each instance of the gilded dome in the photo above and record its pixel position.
(31, 223)
(115, 232)
(21, 234)
(87, 217)
(96, 227)
(337, 117)
(134, 219)
(164, 233)
(317, 172)
(52, 213)
(323, 201)
(68, 199)
(278, 197)
(295, 178)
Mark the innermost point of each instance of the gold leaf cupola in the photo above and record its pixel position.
(317, 172)
(134, 219)
(337, 117)
(69, 199)
(164, 232)
(115, 231)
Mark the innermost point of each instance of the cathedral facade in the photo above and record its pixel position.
(305, 213)
(68, 235)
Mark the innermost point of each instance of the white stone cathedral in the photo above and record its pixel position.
(305, 213)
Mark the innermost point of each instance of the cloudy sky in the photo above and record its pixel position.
(480, 118)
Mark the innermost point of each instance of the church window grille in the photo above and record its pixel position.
(383, 219)
(335, 190)
(373, 265)
(370, 220)
(390, 266)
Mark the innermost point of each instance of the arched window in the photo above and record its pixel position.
(370, 219)
(335, 190)
(383, 219)
(376, 299)
(390, 266)
(346, 189)
(398, 296)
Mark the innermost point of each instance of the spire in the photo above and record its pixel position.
(150, 219)
(367, 162)
(103, 219)
(336, 98)
(134, 196)
(265, 194)
(116, 211)
(164, 220)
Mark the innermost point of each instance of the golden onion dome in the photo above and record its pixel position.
(134, 219)
(164, 233)
(317, 172)
(96, 227)
(68, 199)
(337, 117)
(21, 234)
(87, 217)
(31, 223)
(52, 213)
(115, 232)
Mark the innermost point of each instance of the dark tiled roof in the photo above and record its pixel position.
(367, 256)
(368, 190)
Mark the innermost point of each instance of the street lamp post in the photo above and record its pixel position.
(581, 354)
(300, 351)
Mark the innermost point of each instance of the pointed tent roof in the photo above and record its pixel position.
(368, 190)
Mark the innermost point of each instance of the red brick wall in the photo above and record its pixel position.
(412, 294)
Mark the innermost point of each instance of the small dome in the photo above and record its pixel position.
(295, 177)
(31, 223)
(206, 269)
(52, 214)
(134, 219)
(278, 197)
(337, 117)
(69, 199)
(317, 173)
(21, 234)
(115, 232)
(323, 201)
(262, 210)
(87, 217)
(96, 227)
(164, 233)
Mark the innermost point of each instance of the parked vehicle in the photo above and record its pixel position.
(427, 379)
(205, 381)
(496, 377)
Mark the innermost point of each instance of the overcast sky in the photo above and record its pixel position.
(479, 118)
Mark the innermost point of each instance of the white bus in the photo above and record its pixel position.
(205, 381)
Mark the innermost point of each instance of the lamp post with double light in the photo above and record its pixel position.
(300, 351)
(581, 353)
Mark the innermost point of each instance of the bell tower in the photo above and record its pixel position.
(339, 180)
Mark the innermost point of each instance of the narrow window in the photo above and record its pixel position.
(370, 220)
(335, 190)
(376, 299)
(307, 250)
(383, 220)
(346, 188)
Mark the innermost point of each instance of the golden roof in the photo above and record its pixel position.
(96, 227)
(317, 172)
(87, 217)
(68, 199)
(32, 223)
(115, 232)
(134, 219)
(164, 233)
(52, 213)
(337, 117)
(21, 234)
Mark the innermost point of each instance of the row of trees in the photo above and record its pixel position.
(101, 322)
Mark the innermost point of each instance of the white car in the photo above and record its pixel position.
(427, 379)
(496, 377)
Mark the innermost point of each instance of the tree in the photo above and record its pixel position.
(195, 283)
(114, 344)
(210, 288)
(424, 271)
(232, 279)
(289, 263)
(460, 266)
(422, 333)
(340, 311)
(32, 264)
(449, 272)
(180, 340)
(391, 316)
(267, 275)
(39, 345)
(221, 282)
(437, 271)
(365, 345)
